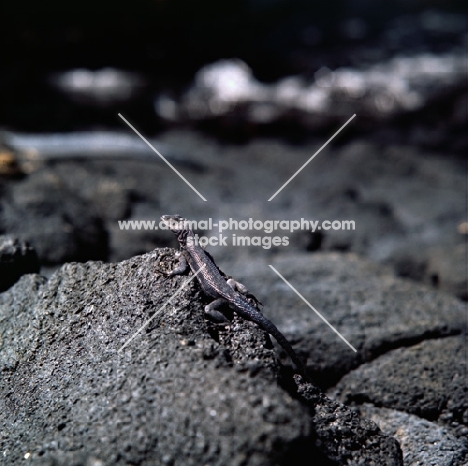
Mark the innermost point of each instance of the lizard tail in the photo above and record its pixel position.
(271, 328)
(281, 339)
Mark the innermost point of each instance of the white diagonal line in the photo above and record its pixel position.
(315, 310)
(303, 166)
(160, 155)
(162, 307)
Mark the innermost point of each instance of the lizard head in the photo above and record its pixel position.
(180, 226)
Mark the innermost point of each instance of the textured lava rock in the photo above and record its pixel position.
(182, 391)
(428, 380)
(423, 442)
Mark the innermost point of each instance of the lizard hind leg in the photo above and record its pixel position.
(213, 313)
(242, 289)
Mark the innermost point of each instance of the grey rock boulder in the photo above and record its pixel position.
(80, 386)
(424, 443)
(370, 307)
(427, 379)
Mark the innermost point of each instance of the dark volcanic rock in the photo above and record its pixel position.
(428, 380)
(366, 303)
(423, 442)
(183, 391)
(406, 204)
(331, 420)
(16, 258)
(58, 223)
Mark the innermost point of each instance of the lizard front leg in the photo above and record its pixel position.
(179, 269)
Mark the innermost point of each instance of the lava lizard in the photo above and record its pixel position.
(220, 288)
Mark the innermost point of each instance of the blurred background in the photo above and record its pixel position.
(237, 95)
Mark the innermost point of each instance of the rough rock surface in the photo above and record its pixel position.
(410, 339)
(424, 443)
(374, 310)
(395, 380)
(183, 391)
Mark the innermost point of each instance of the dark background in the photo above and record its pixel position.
(168, 41)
